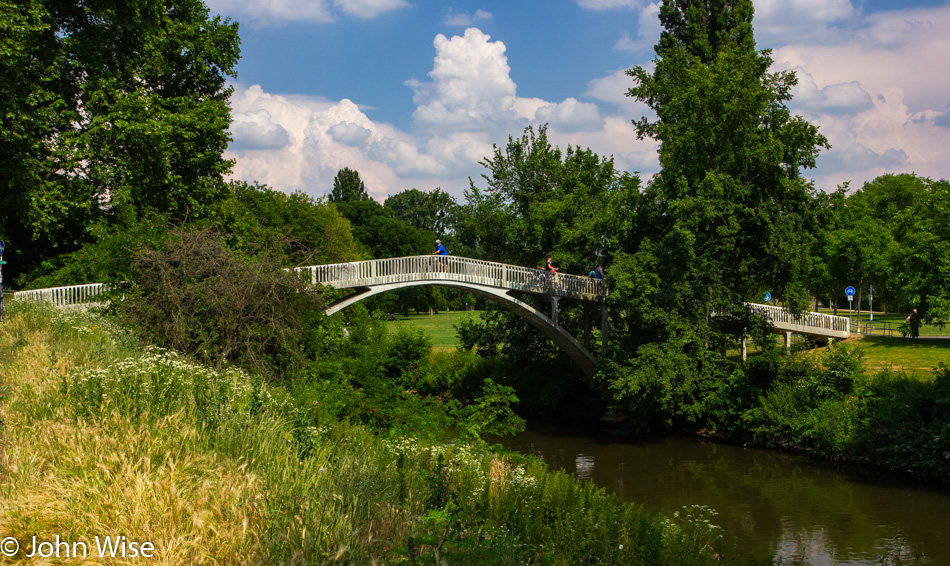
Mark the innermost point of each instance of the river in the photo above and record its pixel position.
(775, 504)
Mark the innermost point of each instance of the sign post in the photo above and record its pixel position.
(2, 263)
(849, 291)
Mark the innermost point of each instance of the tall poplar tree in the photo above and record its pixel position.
(730, 196)
(727, 218)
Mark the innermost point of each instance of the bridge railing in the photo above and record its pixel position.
(456, 268)
(778, 315)
(60, 296)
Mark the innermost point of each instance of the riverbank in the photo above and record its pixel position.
(104, 436)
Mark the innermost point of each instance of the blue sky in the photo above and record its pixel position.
(413, 93)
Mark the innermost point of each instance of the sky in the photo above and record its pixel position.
(415, 93)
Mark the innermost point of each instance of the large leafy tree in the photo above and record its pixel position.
(348, 187)
(913, 214)
(540, 200)
(109, 110)
(730, 197)
(728, 217)
(435, 211)
(305, 230)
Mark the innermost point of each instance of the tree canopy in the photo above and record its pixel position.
(730, 195)
(109, 110)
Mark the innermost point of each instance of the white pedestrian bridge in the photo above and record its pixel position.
(506, 285)
(813, 324)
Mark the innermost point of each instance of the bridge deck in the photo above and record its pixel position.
(809, 323)
(458, 269)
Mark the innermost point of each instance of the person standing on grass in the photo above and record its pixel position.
(914, 321)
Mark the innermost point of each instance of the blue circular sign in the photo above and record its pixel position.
(849, 291)
(768, 296)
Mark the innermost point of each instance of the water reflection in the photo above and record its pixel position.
(775, 504)
(584, 467)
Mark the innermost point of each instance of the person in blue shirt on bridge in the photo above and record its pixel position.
(440, 251)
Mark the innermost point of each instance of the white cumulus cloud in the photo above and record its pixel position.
(794, 20)
(255, 130)
(571, 116)
(880, 96)
(264, 12)
(464, 19)
(470, 86)
(469, 103)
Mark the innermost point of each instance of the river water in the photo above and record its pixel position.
(775, 504)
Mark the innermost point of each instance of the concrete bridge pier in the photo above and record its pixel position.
(603, 328)
(587, 327)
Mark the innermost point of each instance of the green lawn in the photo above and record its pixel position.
(440, 327)
(882, 321)
(915, 357)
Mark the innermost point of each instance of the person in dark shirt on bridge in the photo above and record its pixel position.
(599, 272)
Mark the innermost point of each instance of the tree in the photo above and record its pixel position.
(730, 193)
(109, 110)
(914, 212)
(540, 200)
(308, 231)
(348, 187)
(728, 217)
(434, 211)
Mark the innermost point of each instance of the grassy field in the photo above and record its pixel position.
(917, 358)
(440, 327)
(884, 321)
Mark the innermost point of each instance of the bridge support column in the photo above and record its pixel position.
(587, 327)
(603, 330)
(788, 341)
(745, 349)
(554, 301)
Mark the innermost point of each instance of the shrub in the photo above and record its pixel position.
(842, 365)
(195, 296)
(408, 350)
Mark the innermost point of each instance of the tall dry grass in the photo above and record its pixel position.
(79, 478)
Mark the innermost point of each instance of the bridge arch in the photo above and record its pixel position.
(497, 282)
